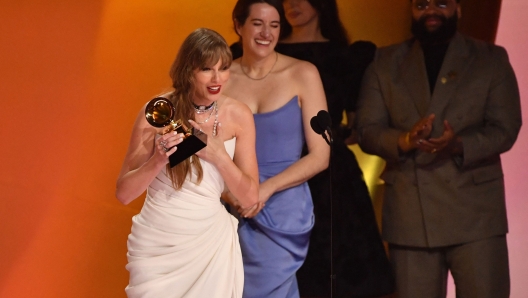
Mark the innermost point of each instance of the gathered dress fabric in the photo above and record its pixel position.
(275, 242)
(361, 267)
(184, 243)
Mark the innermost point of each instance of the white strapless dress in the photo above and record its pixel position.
(184, 243)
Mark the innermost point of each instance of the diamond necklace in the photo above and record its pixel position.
(258, 79)
(216, 119)
(214, 108)
(202, 109)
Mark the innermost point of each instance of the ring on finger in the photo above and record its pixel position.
(433, 151)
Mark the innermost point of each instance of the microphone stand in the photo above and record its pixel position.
(321, 124)
(330, 141)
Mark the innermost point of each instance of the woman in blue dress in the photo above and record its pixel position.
(284, 94)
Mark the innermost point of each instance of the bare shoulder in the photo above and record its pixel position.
(304, 80)
(236, 109)
(232, 86)
(299, 69)
(238, 117)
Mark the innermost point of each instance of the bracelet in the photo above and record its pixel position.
(407, 138)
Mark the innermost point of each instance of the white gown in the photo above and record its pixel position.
(184, 243)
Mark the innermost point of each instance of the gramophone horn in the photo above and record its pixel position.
(159, 112)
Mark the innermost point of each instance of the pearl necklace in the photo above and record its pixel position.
(214, 108)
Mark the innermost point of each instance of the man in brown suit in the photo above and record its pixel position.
(440, 109)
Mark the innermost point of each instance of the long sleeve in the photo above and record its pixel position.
(502, 118)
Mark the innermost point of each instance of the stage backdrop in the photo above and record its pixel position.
(512, 32)
(74, 76)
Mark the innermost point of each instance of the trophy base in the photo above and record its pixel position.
(190, 145)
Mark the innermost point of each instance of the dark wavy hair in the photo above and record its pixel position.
(329, 22)
(241, 13)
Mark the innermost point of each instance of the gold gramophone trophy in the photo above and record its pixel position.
(159, 113)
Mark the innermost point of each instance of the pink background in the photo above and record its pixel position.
(512, 34)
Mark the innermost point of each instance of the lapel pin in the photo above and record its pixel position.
(450, 76)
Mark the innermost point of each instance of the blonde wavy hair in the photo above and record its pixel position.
(202, 48)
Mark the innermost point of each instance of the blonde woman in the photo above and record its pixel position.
(183, 243)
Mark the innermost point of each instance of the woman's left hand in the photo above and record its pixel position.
(215, 148)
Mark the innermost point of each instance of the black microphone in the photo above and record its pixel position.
(321, 123)
(316, 126)
(324, 119)
(314, 123)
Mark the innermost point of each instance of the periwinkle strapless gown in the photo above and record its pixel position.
(184, 243)
(275, 242)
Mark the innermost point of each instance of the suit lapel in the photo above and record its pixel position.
(415, 78)
(456, 63)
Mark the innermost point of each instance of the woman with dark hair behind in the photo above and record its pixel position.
(361, 267)
(283, 93)
(183, 243)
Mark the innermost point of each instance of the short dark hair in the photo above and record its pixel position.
(242, 7)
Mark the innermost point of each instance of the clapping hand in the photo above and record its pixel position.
(434, 145)
(420, 131)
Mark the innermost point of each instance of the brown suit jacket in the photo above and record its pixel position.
(434, 200)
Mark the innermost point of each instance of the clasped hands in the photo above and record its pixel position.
(245, 212)
(419, 138)
(265, 192)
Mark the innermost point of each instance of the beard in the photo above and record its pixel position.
(442, 34)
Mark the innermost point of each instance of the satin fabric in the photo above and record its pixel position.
(184, 243)
(275, 243)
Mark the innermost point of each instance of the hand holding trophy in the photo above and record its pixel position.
(160, 113)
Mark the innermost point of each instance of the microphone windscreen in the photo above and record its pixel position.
(314, 123)
(324, 119)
